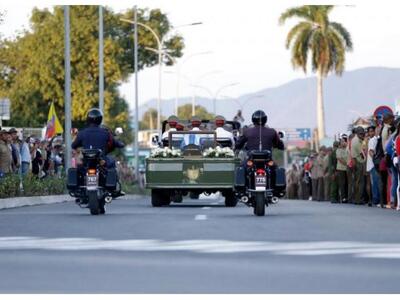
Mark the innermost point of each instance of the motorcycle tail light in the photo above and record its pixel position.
(270, 163)
(92, 171)
(260, 172)
(250, 163)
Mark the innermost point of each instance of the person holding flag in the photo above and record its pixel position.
(53, 127)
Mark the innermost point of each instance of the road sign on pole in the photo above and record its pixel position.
(4, 110)
(297, 134)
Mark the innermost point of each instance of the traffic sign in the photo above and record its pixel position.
(297, 134)
(5, 109)
(382, 110)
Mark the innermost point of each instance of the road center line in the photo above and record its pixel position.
(206, 207)
(200, 217)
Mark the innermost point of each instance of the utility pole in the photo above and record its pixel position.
(101, 60)
(136, 97)
(67, 89)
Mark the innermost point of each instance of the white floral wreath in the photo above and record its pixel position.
(165, 152)
(219, 152)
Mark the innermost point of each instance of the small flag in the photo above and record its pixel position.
(53, 124)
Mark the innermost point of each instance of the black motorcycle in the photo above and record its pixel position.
(92, 184)
(260, 181)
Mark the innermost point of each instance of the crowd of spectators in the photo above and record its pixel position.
(24, 155)
(360, 168)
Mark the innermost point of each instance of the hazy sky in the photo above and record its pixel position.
(245, 39)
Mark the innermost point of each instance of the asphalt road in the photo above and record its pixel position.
(200, 246)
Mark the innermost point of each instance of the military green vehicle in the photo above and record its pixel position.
(183, 168)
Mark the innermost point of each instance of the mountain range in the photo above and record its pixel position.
(293, 105)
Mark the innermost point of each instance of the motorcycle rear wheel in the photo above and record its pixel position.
(93, 203)
(259, 205)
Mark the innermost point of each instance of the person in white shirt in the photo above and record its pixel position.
(371, 169)
(172, 122)
(221, 132)
(193, 138)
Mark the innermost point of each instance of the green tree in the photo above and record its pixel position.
(149, 119)
(325, 42)
(32, 65)
(185, 112)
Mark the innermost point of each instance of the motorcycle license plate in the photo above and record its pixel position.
(260, 183)
(91, 182)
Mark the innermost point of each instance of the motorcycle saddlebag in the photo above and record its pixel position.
(111, 179)
(72, 179)
(240, 177)
(280, 181)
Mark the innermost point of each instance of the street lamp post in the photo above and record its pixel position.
(160, 56)
(214, 96)
(101, 60)
(67, 89)
(136, 54)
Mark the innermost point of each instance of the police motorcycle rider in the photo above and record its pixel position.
(95, 136)
(260, 138)
(251, 136)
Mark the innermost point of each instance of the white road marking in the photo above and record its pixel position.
(206, 207)
(356, 249)
(200, 217)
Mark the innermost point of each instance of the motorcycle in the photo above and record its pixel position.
(92, 183)
(260, 182)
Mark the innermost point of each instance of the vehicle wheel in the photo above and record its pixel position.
(259, 208)
(177, 198)
(193, 195)
(230, 199)
(93, 203)
(157, 198)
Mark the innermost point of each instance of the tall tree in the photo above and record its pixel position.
(32, 65)
(185, 112)
(324, 41)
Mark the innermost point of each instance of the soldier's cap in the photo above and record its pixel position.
(360, 130)
(180, 126)
(173, 119)
(195, 119)
(13, 130)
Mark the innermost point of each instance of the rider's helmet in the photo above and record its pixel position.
(94, 117)
(259, 117)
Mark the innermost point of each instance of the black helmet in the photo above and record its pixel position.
(259, 118)
(94, 116)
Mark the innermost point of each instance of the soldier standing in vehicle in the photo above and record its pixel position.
(221, 132)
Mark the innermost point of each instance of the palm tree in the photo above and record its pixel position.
(323, 41)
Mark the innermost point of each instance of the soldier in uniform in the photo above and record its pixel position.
(320, 173)
(358, 157)
(172, 122)
(334, 195)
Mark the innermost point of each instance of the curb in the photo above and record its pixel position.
(29, 201)
(39, 200)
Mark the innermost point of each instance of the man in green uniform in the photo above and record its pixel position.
(358, 157)
(332, 173)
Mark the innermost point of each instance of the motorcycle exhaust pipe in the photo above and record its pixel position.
(244, 199)
(108, 199)
(275, 200)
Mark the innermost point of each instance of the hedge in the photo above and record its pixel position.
(32, 186)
